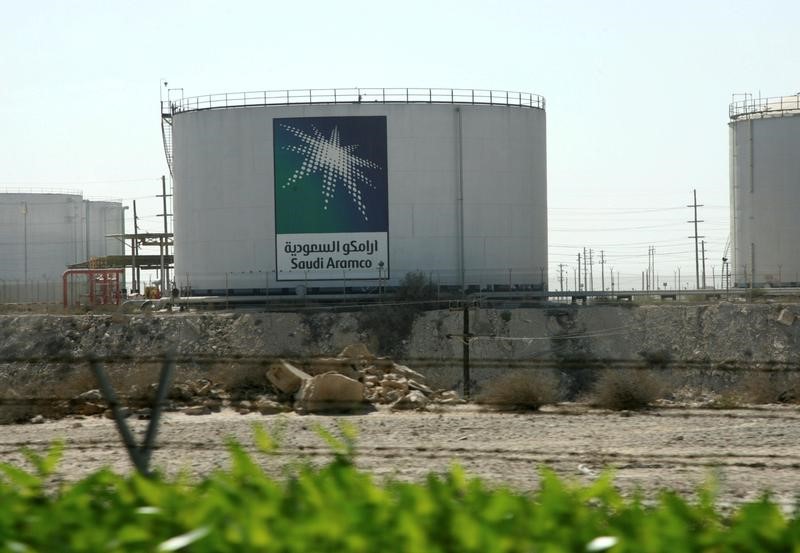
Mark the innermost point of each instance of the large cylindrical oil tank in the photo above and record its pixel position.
(765, 191)
(43, 233)
(328, 190)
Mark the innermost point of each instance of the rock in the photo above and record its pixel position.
(181, 392)
(402, 370)
(786, 317)
(269, 407)
(213, 405)
(243, 411)
(414, 385)
(197, 410)
(330, 391)
(244, 404)
(88, 409)
(413, 400)
(91, 395)
(389, 384)
(38, 419)
(372, 370)
(286, 377)
(202, 387)
(124, 411)
(392, 396)
(321, 365)
(356, 351)
(448, 397)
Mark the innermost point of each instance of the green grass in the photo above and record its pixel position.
(338, 508)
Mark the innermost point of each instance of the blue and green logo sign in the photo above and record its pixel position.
(331, 198)
(330, 175)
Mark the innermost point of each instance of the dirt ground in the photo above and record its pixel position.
(748, 451)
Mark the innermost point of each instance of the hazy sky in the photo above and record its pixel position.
(637, 94)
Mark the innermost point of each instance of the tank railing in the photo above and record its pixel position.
(39, 190)
(764, 106)
(355, 96)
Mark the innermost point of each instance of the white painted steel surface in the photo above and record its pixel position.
(103, 218)
(40, 234)
(765, 198)
(224, 197)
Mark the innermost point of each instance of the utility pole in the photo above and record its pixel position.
(696, 237)
(653, 274)
(579, 272)
(163, 247)
(612, 279)
(585, 279)
(591, 270)
(561, 276)
(602, 271)
(135, 251)
(703, 246)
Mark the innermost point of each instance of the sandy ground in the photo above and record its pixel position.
(748, 450)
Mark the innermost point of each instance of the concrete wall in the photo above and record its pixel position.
(708, 337)
(765, 195)
(224, 203)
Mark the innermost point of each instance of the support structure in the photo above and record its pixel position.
(103, 286)
(139, 454)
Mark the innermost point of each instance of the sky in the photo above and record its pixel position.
(637, 96)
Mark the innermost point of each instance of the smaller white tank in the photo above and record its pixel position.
(42, 233)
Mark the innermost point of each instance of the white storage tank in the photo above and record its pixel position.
(327, 190)
(42, 233)
(765, 191)
(102, 219)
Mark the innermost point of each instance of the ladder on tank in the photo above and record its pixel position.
(166, 132)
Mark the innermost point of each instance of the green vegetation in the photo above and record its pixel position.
(340, 509)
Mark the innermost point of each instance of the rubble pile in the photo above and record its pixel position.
(354, 380)
(355, 377)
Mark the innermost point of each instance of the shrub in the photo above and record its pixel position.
(340, 508)
(391, 324)
(521, 389)
(627, 389)
(768, 387)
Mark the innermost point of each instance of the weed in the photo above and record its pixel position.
(627, 389)
(391, 325)
(521, 389)
(757, 386)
